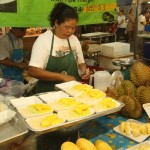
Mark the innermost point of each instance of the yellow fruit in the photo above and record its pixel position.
(148, 128)
(127, 130)
(82, 110)
(85, 144)
(51, 120)
(40, 107)
(135, 132)
(122, 127)
(143, 129)
(102, 145)
(69, 146)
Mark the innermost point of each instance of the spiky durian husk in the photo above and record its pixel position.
(137, 111)
(116, 92)
(112, 93)
(144, 97)
(128, 86)
(139, 91)
(132, 108)
(140, 74)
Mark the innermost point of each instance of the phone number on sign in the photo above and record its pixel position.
(99, 7)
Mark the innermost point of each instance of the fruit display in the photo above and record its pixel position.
(134, 128)
(135, 92)
(85, 144)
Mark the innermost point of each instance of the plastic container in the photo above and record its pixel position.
(101, 80)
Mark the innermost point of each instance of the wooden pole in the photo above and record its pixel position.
(136, 28)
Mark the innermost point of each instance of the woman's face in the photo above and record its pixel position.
(66, 29)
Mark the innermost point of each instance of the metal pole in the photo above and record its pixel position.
(136, 29)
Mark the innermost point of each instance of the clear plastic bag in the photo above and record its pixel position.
(12, 87)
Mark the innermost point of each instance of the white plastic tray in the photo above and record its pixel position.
(100, 108)
(26, 112)
(67, 88)
(147, 108)
(53, 96)
(35, 123)
(138, 139)
(70, 115)
(66, 85)
(87, 100)
(139, 146)
(25, 101)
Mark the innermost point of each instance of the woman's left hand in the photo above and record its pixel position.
(86, 75)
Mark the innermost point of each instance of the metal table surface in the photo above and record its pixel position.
(98, 35)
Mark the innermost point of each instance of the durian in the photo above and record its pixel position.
(128, 85)
(140, 74)
(144, 96)
(132, 108)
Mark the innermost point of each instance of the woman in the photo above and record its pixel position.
(121, 25)
(56, 54)
(131, 25)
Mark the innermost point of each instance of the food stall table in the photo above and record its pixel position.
(100, 128)
(98, 35)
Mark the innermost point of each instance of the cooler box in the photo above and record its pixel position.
(115, 49)
(106, 62)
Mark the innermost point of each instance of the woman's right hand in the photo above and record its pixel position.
(67, 78)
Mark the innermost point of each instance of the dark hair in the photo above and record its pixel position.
(62, 12)
(20, 28)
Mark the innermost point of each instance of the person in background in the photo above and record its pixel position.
(121, 25)
(142, 21)
(57, 55)
(131, 25)
(11, 54)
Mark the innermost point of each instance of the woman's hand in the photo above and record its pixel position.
(67, 78)
(86, 75)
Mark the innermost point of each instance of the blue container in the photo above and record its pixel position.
(146, 49)
(147, 28)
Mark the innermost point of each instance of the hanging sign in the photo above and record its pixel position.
(34, 13)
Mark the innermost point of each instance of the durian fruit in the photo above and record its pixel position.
(69, 146)
(144, 96)
(140, 73)
(137, 111)
(132, 108)
(85, 144)
(139, 91)
(116, 92)
(128, 85)
(102, 145)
